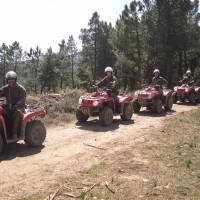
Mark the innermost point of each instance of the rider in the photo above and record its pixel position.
(187, 79)
(109, 82)
(158, 81)
(15, 95)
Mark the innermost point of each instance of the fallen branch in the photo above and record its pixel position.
(52, 196)
(94, 146)
(90, 188)
(71, 195)
(106, 184)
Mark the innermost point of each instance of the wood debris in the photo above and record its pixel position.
(94, 146)
(107, 186)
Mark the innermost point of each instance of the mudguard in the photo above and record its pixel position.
(30, 114)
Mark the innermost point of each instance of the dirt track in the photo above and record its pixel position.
(25, 171)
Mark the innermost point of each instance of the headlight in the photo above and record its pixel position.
(151, 95)
(80, 101)
(96, 102)
(135, 95)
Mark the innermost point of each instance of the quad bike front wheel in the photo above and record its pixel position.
(169, 104)
(80, 116)
(127, 112)
(35, 133)
(1, 143)
(157, 106)
(106, 116)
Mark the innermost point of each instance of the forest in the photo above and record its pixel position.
(149, 34)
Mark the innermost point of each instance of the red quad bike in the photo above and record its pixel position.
(153, 99)
(32, 131)
(103, 105)
(185, 91)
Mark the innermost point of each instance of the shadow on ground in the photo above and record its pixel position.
(14, 150)
(149, 113)
(94, 125)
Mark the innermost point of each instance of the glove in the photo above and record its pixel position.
(110, 85)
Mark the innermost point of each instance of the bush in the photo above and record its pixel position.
(59, 107)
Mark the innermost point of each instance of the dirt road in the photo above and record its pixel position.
(25, 171)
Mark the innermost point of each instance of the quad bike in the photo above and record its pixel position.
(153, 98)
(103, 105)
(186, 92)
(32, 131)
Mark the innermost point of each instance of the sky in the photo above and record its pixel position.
(45, 23)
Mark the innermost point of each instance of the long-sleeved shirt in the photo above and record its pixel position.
(187, 80)
(109, 82)
(15, 95)
(159, 81)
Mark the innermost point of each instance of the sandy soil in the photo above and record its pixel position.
(26, 171)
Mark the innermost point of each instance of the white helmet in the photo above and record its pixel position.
(156, 71)
(11, 74)
(188, 72)
(108, 69)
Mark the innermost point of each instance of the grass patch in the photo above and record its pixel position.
(165, 166)
(35, 197)
(97, 170)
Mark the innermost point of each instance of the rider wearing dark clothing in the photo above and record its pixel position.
(15, 95)
(109, 82)
(188, 79)
(158, 81)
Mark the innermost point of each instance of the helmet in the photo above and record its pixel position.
(188, 72)
(11, 74)
(108, 69)
(156, 71)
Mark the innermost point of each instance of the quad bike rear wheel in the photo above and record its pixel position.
(191, 98)
(127, 112)
(169, 104)
(157, 106)
(106, 116)
(35, 133)
(174, 97)
(80, 116)
(136, 106)
(198, 97)
(1, 143)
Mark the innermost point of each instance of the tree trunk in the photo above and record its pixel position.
(72, 71)
(185, 60)
(180, 66)
(139, 51)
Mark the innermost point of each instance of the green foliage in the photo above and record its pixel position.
(60, 107)
(147, 35)
(154, 183)
(96, 170)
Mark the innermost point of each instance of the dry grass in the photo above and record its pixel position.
(165, 166)
(59, 107)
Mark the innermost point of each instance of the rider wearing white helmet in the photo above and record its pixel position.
(15, 95)
(109, 82)
(157, 80)
(187, 79)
